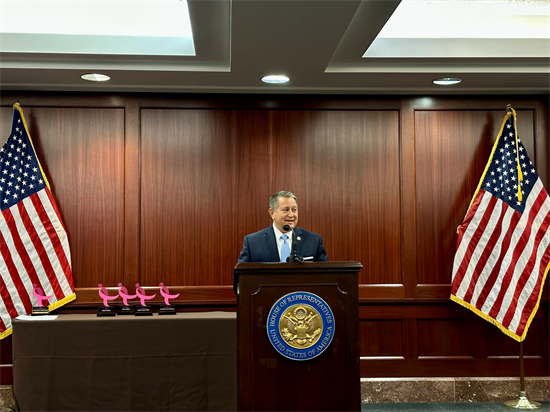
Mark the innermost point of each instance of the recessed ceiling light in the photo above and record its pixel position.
(275, 79)
(95, 77)
(447, 81)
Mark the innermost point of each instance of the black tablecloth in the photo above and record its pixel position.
(84, 363)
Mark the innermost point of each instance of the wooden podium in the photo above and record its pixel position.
(271, 381)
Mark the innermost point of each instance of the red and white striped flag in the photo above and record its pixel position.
(34, 248)
(503, 251)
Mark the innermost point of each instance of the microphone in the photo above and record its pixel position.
(294, 257)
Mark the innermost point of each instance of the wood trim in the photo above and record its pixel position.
(131, 191)
(471, 103)
(542, 148)
(371, 299)
(447, 366)
(269, 102)
(189, 295)
(368, 292)
(432, 291)
(62, 100)
(408, 197)
(414, 308)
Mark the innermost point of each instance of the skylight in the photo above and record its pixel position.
(97, 27)
(462, 28)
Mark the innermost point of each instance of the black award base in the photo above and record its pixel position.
(167, 310)
(126, 310)
(143, 311)
(106, 311)
(40, 310)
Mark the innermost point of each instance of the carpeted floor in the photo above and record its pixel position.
(441, 407)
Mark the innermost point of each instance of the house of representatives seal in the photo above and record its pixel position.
(300, 325)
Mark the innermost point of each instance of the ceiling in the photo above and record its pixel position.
(319, 44)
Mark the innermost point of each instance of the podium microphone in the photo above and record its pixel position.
(294, 257)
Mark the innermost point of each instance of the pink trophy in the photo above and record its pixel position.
(40, 309)
(143, 309)
(167, 309)
(105, 310)
(126, 309)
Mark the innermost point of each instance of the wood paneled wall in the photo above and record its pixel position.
(206, 176)
(163, 188)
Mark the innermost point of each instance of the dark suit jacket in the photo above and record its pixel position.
(262, 247)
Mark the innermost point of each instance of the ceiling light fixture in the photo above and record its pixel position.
(275, 79)
(153, 27)
(95, 77)
(447, 81)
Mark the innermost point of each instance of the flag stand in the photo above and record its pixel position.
(522, 402)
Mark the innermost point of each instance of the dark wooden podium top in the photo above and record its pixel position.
(293, 269)
(317, 267)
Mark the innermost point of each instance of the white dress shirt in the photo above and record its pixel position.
(278, 235)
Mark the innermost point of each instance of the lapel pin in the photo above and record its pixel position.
(298, 238)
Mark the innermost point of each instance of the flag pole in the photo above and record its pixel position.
(521, 402)
(521, 370)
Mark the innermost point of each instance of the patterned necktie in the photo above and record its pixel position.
(285, 249)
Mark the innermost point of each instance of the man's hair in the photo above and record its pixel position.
(274, 200)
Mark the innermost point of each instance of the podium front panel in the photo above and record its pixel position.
(270, 381)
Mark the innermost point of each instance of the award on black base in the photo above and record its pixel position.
(105, 310)
(126, 309)
(167, 309)
(40, 310)
(40, 297)
(143, 309)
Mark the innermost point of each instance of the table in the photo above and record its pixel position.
(181, 362)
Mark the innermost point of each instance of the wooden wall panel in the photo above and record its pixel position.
(6, 367)
(164, 187)
(381, 338)
(190, 176)
(203, 175)
(445, 337)
(542, 141)
(452, 149)
(5, 350)
(252, 174)
(344, 168)
(498, 344)
(82, 153)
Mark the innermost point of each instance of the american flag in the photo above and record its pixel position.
(34, 249)
(503, 253)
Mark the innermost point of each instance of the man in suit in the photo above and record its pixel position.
(274, 244)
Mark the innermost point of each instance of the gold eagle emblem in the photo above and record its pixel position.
(301, 326)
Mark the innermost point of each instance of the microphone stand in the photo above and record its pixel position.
(294, 257)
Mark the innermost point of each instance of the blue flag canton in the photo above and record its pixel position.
(20, 174)
(501, 178)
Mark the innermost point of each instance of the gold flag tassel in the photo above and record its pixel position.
(520, 174)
